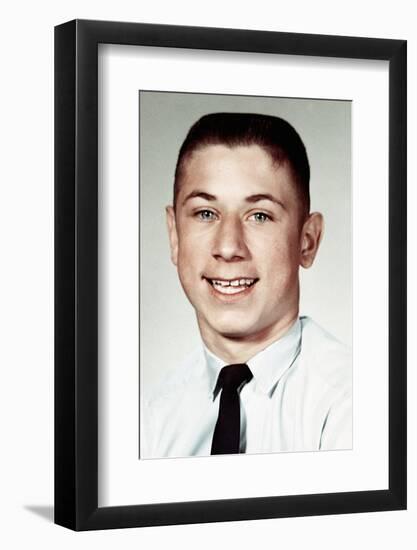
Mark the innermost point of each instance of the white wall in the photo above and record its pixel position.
(26, 286)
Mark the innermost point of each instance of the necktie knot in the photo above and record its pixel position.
(232, 377)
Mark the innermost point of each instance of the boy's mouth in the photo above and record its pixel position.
(231, 286)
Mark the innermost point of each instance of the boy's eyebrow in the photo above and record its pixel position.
(264, 197)
(251, 198)
(199, 194)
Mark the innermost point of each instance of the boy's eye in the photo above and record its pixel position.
(260, 217)
(206, 215)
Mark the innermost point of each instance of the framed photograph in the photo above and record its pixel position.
(230, 275)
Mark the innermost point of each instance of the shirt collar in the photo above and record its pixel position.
(214, 365)
(267, 366)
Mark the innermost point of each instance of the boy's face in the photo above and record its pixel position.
(237, 239)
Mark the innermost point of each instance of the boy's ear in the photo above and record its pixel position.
(172, 233)
(311, 236)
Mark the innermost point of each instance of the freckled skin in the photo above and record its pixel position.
(230, 230)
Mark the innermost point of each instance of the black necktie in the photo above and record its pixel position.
(226, 435)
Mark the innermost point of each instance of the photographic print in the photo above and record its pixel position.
(245, 274)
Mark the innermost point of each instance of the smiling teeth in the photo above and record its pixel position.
(234, 282)
(233, 286)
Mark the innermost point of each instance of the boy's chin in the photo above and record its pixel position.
(233, 330)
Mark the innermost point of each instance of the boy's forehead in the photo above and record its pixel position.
(211, 157)
(243, 167)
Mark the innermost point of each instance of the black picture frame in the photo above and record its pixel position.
(76, 273)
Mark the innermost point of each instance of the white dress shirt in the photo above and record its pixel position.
(299, 399)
